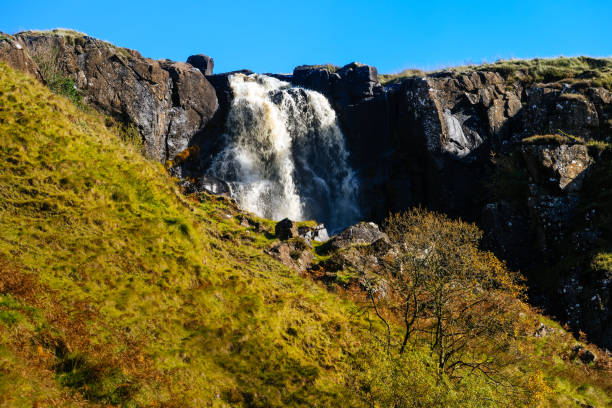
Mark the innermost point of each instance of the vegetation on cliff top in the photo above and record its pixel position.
(579, 70)
(115, 289)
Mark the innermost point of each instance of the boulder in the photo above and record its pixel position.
(585, 355)
(363, 233)
(293, 254)
(202, 62)
(286, 229)
(319, 233)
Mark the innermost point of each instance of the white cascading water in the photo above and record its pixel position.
(285, 154)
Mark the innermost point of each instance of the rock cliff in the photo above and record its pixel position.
(169, 102)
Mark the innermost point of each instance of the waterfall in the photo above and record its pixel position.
(285, 155)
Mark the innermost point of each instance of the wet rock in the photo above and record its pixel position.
(286, 229)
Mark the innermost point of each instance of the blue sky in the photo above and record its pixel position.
(276, 36)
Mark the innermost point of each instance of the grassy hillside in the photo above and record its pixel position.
(115, 289)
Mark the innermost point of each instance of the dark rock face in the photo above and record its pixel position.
(168, 102)
(202, 62)
(14, 53)
(428, 141)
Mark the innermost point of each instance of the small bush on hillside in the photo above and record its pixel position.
(50, 67)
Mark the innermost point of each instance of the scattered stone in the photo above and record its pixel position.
(286, 229)
(543, 331)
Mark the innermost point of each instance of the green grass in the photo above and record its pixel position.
(116, 289)
(184, 313)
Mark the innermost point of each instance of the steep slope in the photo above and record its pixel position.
(127, 292)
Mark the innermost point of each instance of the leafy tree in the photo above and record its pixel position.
(443, 290)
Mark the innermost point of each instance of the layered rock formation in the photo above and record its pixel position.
(458, 143)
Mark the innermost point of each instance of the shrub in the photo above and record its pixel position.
(51, 70)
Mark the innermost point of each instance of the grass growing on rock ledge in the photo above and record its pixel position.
(115, 289)
(579, 70)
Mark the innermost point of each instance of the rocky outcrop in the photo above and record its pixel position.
(293, 253)
(168, 102)
(202, 62)
(364, 233)
(562, 168)
(14, 53)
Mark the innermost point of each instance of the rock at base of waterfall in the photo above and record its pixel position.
(319, 233)
(202, 62)
(206, 183)
(286, 229)
(363, 233)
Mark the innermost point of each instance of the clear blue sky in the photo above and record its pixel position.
(276, 36)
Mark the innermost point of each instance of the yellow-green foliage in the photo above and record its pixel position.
(556, 139)
(388, 79)
(115, 289)
(595, 71)
(157, 303)
(585, 70)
